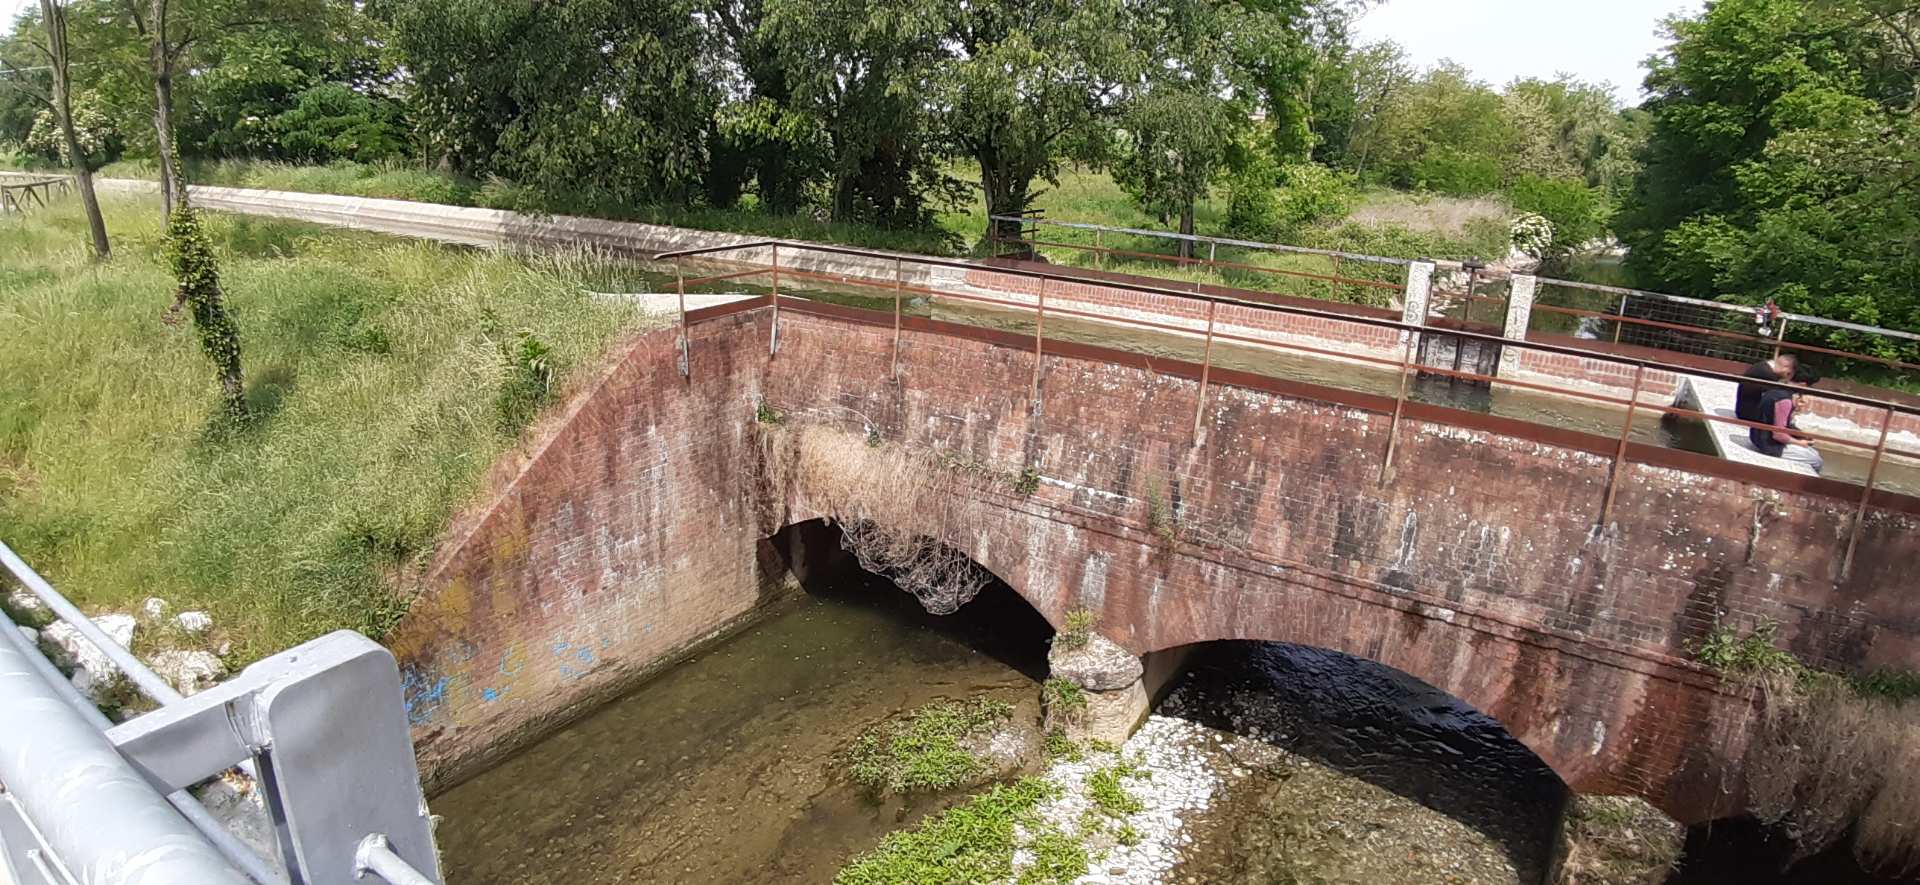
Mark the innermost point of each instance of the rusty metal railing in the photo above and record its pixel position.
(1102, 252)
(1210, 332)
(1662, 321)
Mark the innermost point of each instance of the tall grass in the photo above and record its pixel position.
(374, 366)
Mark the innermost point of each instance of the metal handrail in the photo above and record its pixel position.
(1293, 310)
(1219, 241)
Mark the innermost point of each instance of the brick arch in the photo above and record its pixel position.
(1603, 726)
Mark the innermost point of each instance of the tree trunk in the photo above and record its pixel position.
(172, 190)
(56, 24)
(1186, 227)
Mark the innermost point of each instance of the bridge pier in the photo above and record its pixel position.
(1120, 688)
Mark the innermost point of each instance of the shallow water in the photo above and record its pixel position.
(724, 769)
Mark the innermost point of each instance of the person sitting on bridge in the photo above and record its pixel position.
(1746, 398)
(1782, 439)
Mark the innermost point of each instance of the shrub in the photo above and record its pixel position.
(1065, 702)
(1459, 173)
(528, 382)
(1578, 213)
(1312, 193)
(336, 122)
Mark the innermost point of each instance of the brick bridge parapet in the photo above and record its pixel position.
(629, 531)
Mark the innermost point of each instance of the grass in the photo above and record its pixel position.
(1108, 795)
(923, 751)
(1076, 631)
(1065, 702)
(970, 843)
(375, 367)
(1831, 755)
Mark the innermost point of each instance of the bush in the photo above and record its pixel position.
(335, 122)
(1313, 193)
(1578, 213)
(1307, 194)
(1461, 174)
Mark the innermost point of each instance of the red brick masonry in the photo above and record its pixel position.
(630, 532)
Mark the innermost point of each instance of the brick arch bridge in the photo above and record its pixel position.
(631, 530)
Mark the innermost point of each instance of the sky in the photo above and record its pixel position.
(1499, 40)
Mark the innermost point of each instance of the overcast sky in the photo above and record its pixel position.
(1502, 39)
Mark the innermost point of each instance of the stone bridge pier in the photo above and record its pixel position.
(631, 529)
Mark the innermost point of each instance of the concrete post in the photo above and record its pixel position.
(1413, 309)
(1520, 293)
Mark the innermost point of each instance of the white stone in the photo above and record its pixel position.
(193, 622)
(92, 671)
(24, 602)
(188, 671)
(154, 608)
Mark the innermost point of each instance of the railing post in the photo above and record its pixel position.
(899, 293)
(1620, 323)
(1399, 406)
(686, 347)
(1779, 336)
(1099, 253)
(1866, 494)
(773, 337)
(1206, 370)
(1521, 290)
(1039, 327)
(1620, 452)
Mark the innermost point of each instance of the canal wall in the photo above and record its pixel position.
(618, 538)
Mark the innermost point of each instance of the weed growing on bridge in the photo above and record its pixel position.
(1828, 754)
(925, 751)
(1076, 630)
(897, 507)
(1065, 703)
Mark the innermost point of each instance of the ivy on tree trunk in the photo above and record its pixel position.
(190, 254)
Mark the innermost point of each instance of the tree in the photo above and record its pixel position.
(1782, 162)
(55, 50)
(862, 69)
(587, 103)
(1028, 84)
(190, 254)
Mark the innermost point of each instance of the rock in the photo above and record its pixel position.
(193, 622)
(24, 602)
(236, 803)
(1100, 665)
(154, 608)
(188, 671)
(93, 674)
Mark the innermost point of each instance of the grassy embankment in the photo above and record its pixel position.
(1383, 222)
(383, 379)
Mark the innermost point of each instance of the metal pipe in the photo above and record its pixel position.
(71, 781)
(1099, 254)
(1620, 323)
(149, 682)
(1620, 453)
(899, 293)
(1039, 327)
(1780, 335)
(686, 349)
(773, 337)
(182, 801)
(1206, 370)
(1866, 494)
(375, 855)
(1399, 405)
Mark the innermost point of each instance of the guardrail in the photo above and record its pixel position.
(1405, 367)
(85, 800)
(1622, 315)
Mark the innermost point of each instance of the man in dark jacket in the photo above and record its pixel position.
(1746, 398)
(1782, 438)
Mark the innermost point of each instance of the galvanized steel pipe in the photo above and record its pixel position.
(104, 822)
